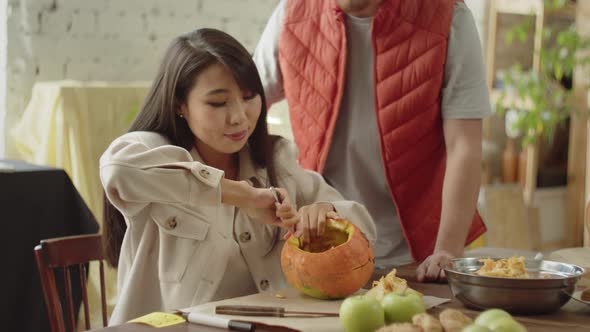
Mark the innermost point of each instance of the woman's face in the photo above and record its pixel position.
(221, 115)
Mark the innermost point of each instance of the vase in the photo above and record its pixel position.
(510, 162)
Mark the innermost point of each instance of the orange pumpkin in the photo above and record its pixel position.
(331, 267)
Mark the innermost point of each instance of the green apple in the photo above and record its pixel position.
(506, 324)
(401, 308)
(476, 328)
(361, 313)
(490, 315)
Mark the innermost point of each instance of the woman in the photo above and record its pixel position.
(192, 219)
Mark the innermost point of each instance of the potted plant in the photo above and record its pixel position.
(542, 99)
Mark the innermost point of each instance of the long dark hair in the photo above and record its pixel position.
(187, 56)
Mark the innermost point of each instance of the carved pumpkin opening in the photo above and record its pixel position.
(331, 267)
(336, 234)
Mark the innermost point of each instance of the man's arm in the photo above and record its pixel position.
(461, 183)
(459, 196)
(266, 56)
(465, 102)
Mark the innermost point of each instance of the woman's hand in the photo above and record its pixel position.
(266, 210)
(286, 213)
(258, 203)
(312, 220)
(261, 207)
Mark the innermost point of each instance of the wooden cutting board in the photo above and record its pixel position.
(292, 299)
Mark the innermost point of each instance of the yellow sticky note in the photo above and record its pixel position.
(159, 319)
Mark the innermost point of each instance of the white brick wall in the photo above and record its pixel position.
(114, 40)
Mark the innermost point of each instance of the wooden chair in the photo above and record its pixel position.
(57, 254)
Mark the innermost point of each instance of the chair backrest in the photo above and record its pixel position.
(57, 254)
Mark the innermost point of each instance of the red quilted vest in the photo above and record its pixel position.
(410, 43)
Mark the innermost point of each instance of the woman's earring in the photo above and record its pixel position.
(180, 115)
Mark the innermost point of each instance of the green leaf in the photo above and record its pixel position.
(547, 33)
(558, 69)
(528, 139)
(522, 35)
(509, 37)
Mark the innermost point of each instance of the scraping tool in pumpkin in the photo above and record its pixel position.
(278, 199)
(262, 311)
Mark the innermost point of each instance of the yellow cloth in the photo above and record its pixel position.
(68, 124)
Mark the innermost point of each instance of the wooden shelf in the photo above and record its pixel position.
(578, 162)
(535, 8)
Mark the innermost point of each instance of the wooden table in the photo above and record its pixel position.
(570, 321)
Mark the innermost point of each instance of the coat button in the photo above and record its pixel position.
(171, 223)
(264, 284)
(204, 173)
(245, 237)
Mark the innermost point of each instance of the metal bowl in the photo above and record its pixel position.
(550, 286)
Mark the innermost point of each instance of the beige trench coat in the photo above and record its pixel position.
(175, 250)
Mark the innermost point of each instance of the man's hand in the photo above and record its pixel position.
(432, 268)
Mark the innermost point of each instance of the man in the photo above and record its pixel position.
(386, 99)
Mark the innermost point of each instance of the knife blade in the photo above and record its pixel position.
(264, 311)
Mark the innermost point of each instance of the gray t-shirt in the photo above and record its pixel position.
(355, 167)
(356, 145)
